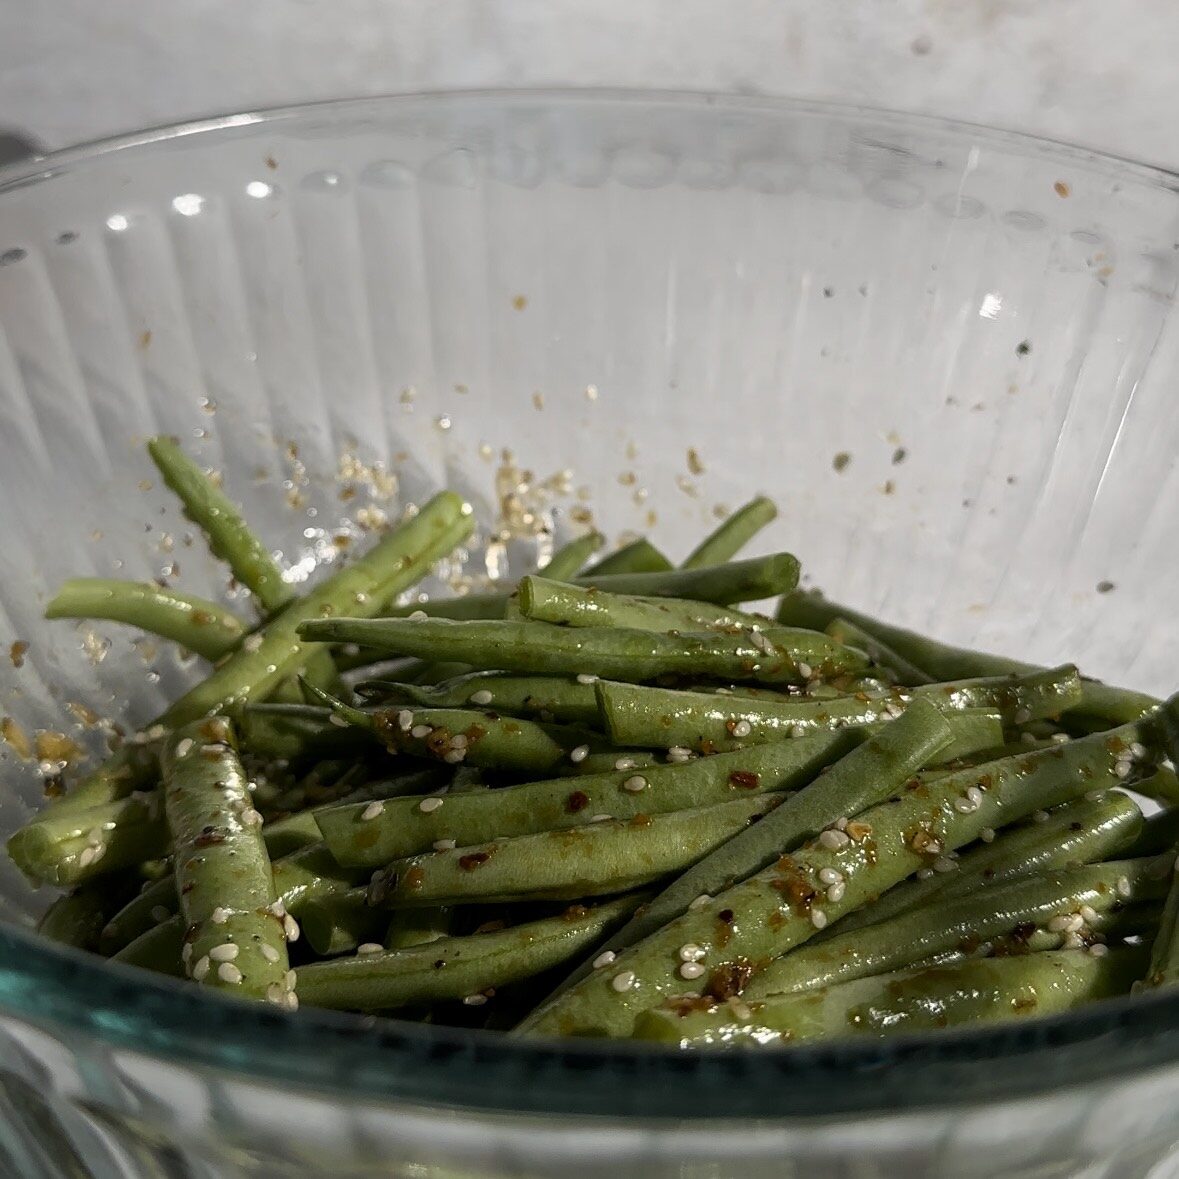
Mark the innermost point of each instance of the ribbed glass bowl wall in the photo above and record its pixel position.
(952, 356)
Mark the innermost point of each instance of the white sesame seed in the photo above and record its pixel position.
(87, 856)
(228, 973)
(184, 747)
(290, 928)
(835, 892)
(1094, 795)
(483, 696)
(372, 811)
(336, 719)
(805, 670)
(601, 818)
(829, 876)
(585, 678)
(840, 824)
(186, 953)
(723, 692)
(1072, 941)
(833, 840)
(1059, 738)
(679, 753)
(269, 953)
(578, 754)
(276, 994)
(691, 970)
(742, 729)
(1089, 914)
(418, 616)
(405, 720)
(635, 784)
(421, 732)
(160, 913)
(944, 864)
(964, 806)
(1058, 924)
(474, 1000)
(1022, 716)
(924, 873)
(892, 710)
(625, 763)
(290, 979)
(155, 733)
(691, 952)
(252, 643)
(370, 948)
(219, 916)
(1041, 817)
(427, 805)
(278, 908)
(818, 918)
(974, 794)
(454, 756)
(201, 968)
(798, 731)
(444, 844)
(226, 952)
(458, 741)
(1121, 769)
(292, 1001)
(742, 1011)
(700, 901)
(251, 817)
(623, 981)
(604, 959)
(987, 835)
(1098, 950)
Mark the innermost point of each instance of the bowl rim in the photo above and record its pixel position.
(70, 993)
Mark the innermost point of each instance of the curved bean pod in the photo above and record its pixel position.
(1164, 957)
(725, 541)
(640, 556)
(568, 560)
(882, 655)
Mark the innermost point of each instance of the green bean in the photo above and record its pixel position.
(235, 938)
(392, 565)
(1162, 785)
(1079, 832)
(881, 654)
(77, 918)
(1164, 958)
(198, 625)
(724, 542)
(159, 948)
(458, 967)
(541, 600)
(418, 927)
(292, 731)
(865, 775)
(551, 698)
(1159, 834)
(568, 560)
(338, 923)
(68, 848)
(1057, 900)
(787, 903)
(979, 991)
(738, 581)
(769, 656)
(229, 537)
(134, 766)
(607, 761)
(603, 857)
(473, 737)
(661, 717)
(640, 556)
(1114, 706)
(362, 835)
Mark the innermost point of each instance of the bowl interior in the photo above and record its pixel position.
(949, 354)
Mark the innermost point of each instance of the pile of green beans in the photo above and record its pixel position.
(626, 799)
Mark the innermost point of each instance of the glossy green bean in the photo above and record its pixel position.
(881, 654)
(568, 560)
(660, 717)
(235, 938)
(418, 927)
(979, 991)
(134, 766)
(198, 625)
(1113, 706)
(600, 858)
(458, 967)
(640, 556)
(392, 565)
(292, 731)
(777, 656)
(1164, 958)
(787, 903)
(361, 835)
(227, 532)
(733, 534)
(340, 922)
(542, 600)
(1055, 900)
(1158, 834)
(737, 581)
(77, 918)
(1078, 832)
(159, 948)
(77, 845)
(865, 775)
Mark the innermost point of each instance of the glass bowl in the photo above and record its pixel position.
(950, 353)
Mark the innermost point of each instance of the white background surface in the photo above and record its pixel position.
(1097, 72)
